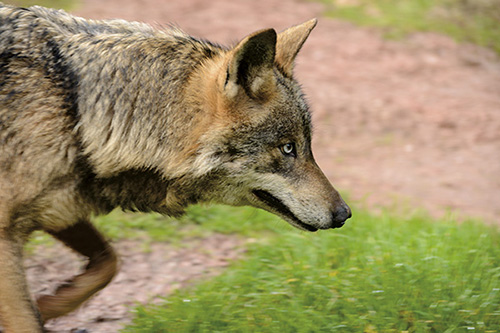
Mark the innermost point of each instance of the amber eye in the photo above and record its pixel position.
(289, 149)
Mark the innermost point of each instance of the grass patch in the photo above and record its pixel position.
(58, 4)
(464, 20)
(378, 273)
(199, 221)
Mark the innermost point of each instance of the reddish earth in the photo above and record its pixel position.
(413, 122)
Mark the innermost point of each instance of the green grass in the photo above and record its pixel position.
(380, 273)
(58, 4)
(199, 221)
(465, 20)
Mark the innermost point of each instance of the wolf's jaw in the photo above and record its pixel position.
(277, 205)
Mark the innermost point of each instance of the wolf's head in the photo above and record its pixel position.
(260, 133)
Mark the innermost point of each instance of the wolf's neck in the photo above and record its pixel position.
(132, 104)
(144, 190)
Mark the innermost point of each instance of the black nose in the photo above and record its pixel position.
(340, 215)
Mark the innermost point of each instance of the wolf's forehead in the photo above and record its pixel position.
(287, 119)
(292, 109)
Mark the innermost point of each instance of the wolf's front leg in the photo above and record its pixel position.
(86, 240)
(17, 313)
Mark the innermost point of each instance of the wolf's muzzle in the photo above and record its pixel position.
(275, 203)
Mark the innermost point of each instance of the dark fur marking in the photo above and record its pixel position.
(59, 71)
(135, 190)
(5, 70)
(227, 77)
(11, 94)
(209, 53)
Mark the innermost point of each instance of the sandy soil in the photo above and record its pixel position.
(415, 121)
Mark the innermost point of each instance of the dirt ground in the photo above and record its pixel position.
(146, 274)
(414, 122)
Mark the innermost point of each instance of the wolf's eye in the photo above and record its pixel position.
(289, 149)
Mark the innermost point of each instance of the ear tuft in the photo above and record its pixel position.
(251, 65)
(290, 42)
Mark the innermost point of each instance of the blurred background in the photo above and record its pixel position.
(405, 98)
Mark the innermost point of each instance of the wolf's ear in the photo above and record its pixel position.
(251, 65)
(289, 44)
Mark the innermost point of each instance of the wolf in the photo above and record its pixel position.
(99, 114)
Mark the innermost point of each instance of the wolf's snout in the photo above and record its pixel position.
(339, 215)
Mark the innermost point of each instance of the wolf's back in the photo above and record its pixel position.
(61, 22)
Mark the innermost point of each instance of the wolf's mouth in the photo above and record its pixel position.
(275, 203)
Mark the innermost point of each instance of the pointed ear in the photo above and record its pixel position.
(251, 64)
(289, 44)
